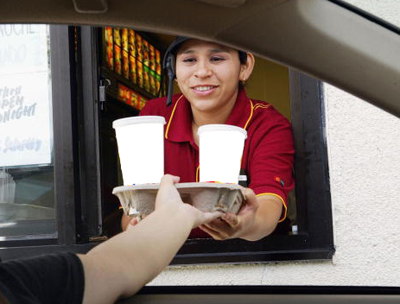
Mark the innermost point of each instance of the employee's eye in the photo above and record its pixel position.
(217, 59)
(189, 60)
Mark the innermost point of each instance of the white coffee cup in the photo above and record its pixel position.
(221, 148)
(140, 142)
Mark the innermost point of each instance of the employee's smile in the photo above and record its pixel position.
(204, 89)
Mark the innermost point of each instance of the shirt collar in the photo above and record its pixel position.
(179, 126)
(242, 111)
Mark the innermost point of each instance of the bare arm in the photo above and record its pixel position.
(120, 266)
(257, 219)
(267, 217)
(125, 221)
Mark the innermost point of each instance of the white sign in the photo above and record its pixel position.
(25, 95)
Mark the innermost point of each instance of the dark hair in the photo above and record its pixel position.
(242, 57)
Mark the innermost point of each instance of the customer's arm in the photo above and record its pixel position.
(126, 262)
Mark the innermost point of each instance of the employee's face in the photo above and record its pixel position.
(208, 74)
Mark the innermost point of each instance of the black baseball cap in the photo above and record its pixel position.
(173, 48)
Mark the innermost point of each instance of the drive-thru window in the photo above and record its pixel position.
(61, 89)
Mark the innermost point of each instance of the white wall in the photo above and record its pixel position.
(364, 164)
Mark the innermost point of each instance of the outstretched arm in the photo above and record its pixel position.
(125, 220)
(120, 266)
(257, 218)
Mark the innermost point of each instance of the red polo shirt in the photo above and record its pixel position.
(268, 154)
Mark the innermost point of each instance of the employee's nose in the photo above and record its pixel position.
(203, 69)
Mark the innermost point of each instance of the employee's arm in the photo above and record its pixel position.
(125, 220)
(123, 264)
(257, 219)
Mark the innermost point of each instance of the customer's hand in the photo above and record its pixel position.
(168, 198)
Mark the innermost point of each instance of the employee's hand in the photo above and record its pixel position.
(231, 225)
(133, 222)
(256, 219)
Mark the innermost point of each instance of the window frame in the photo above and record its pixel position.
(78, 168)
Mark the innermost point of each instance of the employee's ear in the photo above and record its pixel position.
(247, 68)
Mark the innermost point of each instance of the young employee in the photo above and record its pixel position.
(210, 77)
(116, 268)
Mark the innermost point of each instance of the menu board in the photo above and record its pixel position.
(25, 95)
(130, 97)
(130, 55)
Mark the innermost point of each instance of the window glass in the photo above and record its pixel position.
(26, 146)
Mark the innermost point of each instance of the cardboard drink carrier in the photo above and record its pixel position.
(221, 148)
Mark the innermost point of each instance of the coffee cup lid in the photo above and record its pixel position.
(221, 127)
(138, 120)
